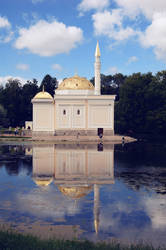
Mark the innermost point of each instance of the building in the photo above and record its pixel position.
(78, 108)
(75, 170)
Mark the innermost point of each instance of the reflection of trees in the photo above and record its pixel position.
(142, 165)
(14, 160)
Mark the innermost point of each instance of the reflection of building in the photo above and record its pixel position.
(78, 108)
(43, 165)
(75, 170)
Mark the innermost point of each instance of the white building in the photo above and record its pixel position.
(78, 108)
(76, 171)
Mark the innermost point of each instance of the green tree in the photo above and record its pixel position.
(11, 101)
(4, 122)
(29, 90)
(50, 84)
(133, 105)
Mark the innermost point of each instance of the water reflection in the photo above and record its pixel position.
(85, 191)
(76, 170)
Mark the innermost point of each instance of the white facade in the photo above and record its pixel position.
(77, 108)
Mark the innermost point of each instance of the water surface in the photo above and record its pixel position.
(97, 192)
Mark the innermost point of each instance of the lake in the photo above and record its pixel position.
(95, 192)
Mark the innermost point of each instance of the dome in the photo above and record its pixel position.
(43, 95)
(42, 181)
(75, 192)
(76, 83)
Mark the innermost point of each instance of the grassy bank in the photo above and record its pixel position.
(16, 241)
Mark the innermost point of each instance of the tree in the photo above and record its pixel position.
(133, 105)
(50, 84)
(29, 90)
(3, 117)
(11, 101)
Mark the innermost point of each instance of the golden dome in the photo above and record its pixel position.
(43, 95)
(75, 192)
(76, 83)
(42, 181)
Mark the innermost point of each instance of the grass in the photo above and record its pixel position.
(16, 241)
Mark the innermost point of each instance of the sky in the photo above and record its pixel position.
(58, 37)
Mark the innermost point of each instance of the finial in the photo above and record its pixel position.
(96, 224)
(97, 53)
(43, 89)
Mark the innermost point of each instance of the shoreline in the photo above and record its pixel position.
(114, 139)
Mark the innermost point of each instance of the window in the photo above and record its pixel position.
(64, 112)
(78, 112)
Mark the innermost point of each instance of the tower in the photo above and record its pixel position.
(97, 71)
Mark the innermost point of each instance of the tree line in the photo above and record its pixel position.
(15, 100)
(140, 106)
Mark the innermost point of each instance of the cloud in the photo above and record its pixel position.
(4, 79)
(57, 67)
(132, 59)
(58, 206)
(155, 207)
(87, 5)
(112, 71)
(121, 23)
(155, 36)
(22, 66)
(111, 24)
(6, 33)
(4, 23)
(147, 7)
(49, 38)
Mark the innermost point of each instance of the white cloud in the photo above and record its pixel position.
(155, 207)
(5, 30)
(112, 71)
(132, 59)
(155, 35)
(146, 7)
(111, 24)
(121, 23)
(22, 66)
(87, 5)
(4, 23)
(49, 38)
(57, 67)
(4, 79)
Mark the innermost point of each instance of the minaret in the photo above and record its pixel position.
(96, 210)
(97, 70)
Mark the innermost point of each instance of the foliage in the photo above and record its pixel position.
(15, 100)
(110, 84)
(142, 104)
(50, 84)
(16, 241)
(3, 115)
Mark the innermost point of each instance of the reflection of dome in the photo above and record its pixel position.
(43, 95)
(76, 83)
(42, 181)
(75, 192)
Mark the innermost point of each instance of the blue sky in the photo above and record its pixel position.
(58, 37)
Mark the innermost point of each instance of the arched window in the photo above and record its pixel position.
(78, 112)
(64, 112)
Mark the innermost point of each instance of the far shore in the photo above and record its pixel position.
(114, 139)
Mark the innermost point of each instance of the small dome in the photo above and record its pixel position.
(75, 192)
(42, 181)
(43, 95)
(76, 83)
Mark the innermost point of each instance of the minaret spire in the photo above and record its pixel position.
(96, 208)
(97, 71)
